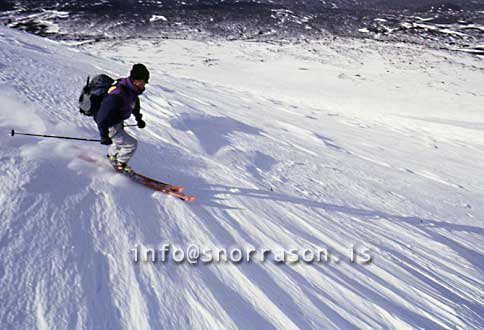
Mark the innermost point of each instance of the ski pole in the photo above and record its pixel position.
(12, 133)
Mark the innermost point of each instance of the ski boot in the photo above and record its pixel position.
(123, 168)
(119, 166)
(112, 159)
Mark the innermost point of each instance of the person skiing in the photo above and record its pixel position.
(122, 100)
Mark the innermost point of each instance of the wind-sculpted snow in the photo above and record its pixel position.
(309, 146)
(212, 132)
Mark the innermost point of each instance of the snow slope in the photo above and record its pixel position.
(374, 145)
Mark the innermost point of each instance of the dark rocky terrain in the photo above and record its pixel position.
(449, 24)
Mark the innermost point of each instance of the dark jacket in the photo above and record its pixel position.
(121, 101)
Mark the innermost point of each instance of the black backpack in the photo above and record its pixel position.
(93, 93)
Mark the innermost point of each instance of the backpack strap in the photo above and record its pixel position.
(112, 88)
(115, 85)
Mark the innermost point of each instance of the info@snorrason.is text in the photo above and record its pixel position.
(195, 254)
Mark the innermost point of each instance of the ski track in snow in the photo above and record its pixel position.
(268, 173)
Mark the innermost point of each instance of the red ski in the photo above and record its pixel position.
(166, 188)
(161, 187)
(161, 184)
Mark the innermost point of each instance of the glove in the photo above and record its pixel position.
(106, 140)
(141, 123)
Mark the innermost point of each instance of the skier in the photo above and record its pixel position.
(120, 102)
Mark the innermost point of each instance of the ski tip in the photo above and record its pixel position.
(190, 198)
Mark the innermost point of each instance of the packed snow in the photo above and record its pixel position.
(328, 144)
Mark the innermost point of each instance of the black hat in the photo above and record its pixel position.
(139, 72)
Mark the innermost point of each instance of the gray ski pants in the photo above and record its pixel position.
(124, 145)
